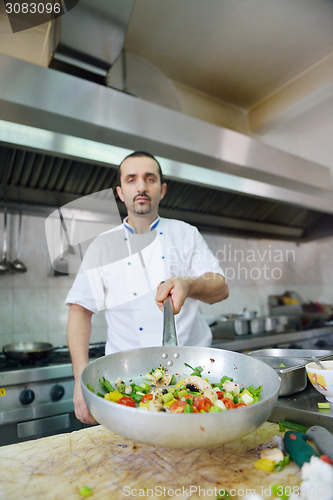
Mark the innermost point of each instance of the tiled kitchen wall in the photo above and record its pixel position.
(258, 268)
(32, 304)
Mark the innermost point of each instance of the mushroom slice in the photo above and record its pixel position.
(202, 386)
(231, 387)
(272, 454)
(164, 381)
(155, 405)
(157, 394)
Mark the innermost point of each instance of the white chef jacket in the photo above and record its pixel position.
(120, 274)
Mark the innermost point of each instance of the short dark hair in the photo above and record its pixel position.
(140, 154)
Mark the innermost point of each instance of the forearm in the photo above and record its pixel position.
(78, 337)
(209, 288)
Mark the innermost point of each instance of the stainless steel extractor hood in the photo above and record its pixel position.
(61, 138)
(88, 40)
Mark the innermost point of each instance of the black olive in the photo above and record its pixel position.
(192, 388)
(164, 391)
(162, 409)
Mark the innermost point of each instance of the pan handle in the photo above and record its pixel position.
(169, 328)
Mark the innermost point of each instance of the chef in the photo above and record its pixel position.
(123, 270)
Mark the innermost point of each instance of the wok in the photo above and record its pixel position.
(179, 430)
(176, 430)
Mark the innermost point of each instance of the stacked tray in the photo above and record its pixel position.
(290, 366)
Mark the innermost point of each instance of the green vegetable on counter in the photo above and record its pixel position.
(85, 491)
(277, 490)
(284, 424)
(279, 466)
(223, 496)
(324, 406)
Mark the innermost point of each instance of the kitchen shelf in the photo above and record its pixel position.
(251, 342)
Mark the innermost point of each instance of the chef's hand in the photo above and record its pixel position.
(177, 288)
(80, 407)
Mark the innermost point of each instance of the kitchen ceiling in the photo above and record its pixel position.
(257, 56)
(239, 51)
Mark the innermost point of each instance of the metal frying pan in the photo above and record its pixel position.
(175, 430)
(27, 351)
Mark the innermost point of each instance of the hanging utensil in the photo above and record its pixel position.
(60, 264)
(5, 265)
(62, 220)
(18, 265)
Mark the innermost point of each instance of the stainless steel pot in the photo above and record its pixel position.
(249, 314)
(271, 323)
(291, 372)
(241, 326)
(257, 325)
(206, 430)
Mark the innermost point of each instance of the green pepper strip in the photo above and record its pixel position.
(225, 496)
(85, 491)
(105, 383)
(90, 387)
(253, 391)
(283, 424)
(196, 371)
(279, 466)
(225, 378)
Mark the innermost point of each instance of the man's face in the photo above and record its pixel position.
(140, 188)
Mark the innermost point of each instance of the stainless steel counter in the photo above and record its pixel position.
(251, 342)
(303, 409)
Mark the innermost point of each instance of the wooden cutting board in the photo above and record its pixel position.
(55, 468)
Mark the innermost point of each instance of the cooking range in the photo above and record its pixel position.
(36, 398)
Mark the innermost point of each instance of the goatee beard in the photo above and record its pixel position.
(142, 210)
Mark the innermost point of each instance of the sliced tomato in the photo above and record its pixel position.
(127, 401)
(219, 394)
(146, 398)
(197, 400)
(228, 403)
(195, 410)
(205, 404)
(239, 405)
(178, 407)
